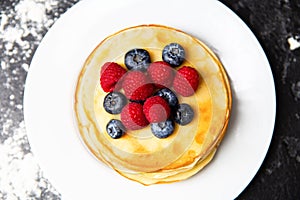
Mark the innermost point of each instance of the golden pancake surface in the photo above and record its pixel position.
(139, 155)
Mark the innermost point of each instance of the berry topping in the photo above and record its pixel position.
(173, 54)
(110, 74)
(132, 116)
(162, 129)
(169, 96)
(184, 114)
(115, 128)
(137, 86)
(162, 109)
(156, 109)
(114, 102)
(161, 73)
(186, 81)
(137, 59)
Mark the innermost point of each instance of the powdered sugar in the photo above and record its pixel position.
(30, 10)
(294, 42)
(23, 24)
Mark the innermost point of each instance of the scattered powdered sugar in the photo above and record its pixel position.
(20, 175)
(31, 10)
(294, 42)
(23, 24)
(24, 27)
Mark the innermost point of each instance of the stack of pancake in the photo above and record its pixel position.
(139, 155)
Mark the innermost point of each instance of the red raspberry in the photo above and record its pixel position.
(132, 116)
(156, 109)
(186, 81)
(137, 86)
(161, 73)
(110, 75)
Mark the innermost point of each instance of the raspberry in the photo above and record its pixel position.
(161, 74)
(137, 86)
(186, 81)
(132, 116)
(110, 75)
(156, 109)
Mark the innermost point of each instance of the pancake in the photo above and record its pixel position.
(139, 155)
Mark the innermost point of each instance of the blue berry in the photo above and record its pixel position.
(184, 114)
(169, 96)
(137, 59)
(115, 129)
(162, 129)
(173, 54)
(114, 102)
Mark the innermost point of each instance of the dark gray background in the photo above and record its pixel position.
(274, 22)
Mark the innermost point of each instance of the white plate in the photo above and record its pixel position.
(50, 84)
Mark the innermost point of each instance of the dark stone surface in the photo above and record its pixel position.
(275, 23)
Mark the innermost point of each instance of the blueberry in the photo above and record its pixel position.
(162, 129)
(137, 59)
(184, 114)
(115, 129)
(114, 102)
(173, 54)
(169, 96)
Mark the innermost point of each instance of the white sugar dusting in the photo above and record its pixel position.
(25, 66)
(19, 172)
(22, 27)
(29, 18)
(294, 42)
(30, 10)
